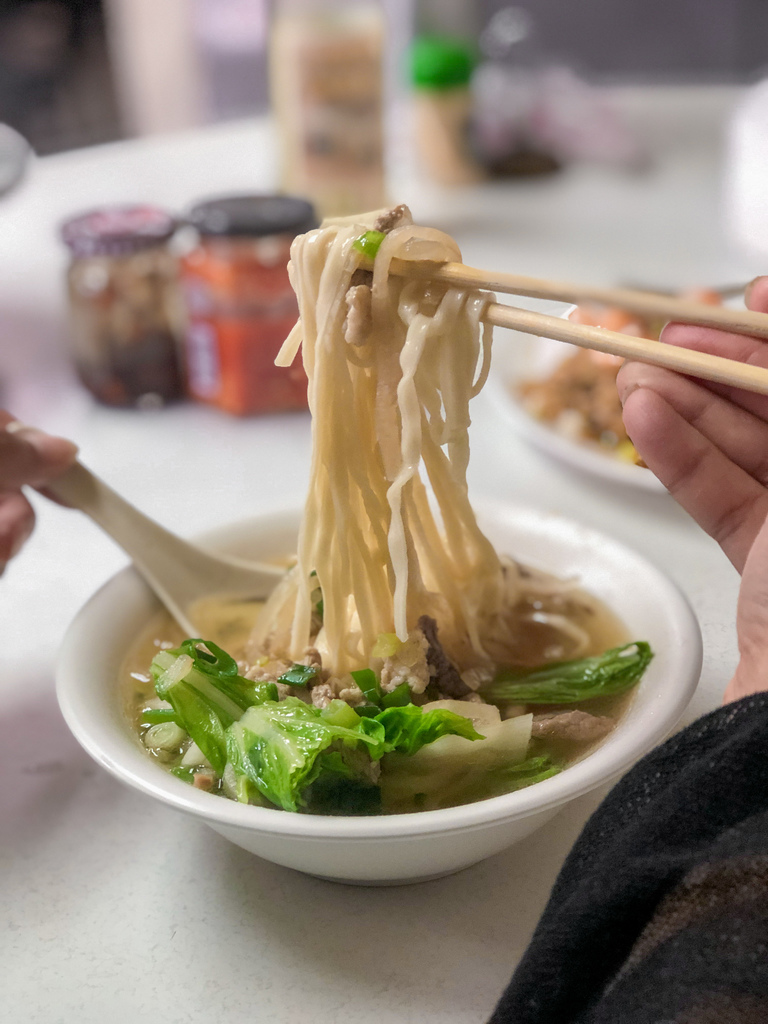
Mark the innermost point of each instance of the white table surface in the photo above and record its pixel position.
(117, 909)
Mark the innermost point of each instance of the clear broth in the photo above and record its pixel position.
(229, 624)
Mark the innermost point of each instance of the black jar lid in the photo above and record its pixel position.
(253, 216)
(117, 230)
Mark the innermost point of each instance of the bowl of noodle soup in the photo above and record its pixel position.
(393, 848)
(394, 710)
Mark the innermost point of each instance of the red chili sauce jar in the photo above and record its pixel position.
(240, 306)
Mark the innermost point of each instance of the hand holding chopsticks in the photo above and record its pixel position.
(696, 364)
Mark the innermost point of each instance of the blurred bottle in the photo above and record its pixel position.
(441, 70)
(510, 105)
(327, 85)
(458, 18)
(532, 114)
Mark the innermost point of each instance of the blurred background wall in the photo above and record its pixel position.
(663, 40)
(79, 72)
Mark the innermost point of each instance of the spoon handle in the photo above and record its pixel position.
(178, 572)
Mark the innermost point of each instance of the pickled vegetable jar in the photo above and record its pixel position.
(240, 305)
(124, 305)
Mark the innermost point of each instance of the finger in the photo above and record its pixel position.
(732, 346)
(723, 499)
(740, 435)
(28, 456)
(17, 519)
(740, 347)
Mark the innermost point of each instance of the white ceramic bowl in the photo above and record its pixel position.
(403, 847)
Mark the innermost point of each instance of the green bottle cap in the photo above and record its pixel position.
(441, 62)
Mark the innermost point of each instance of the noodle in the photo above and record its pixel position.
(390, 412)
(399, 664)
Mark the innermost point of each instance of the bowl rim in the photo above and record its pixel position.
(129, 763)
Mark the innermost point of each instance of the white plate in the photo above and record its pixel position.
(520, 357)
(398, 847)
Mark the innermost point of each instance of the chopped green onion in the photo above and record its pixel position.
(319, 606)
(369, 243)
(298, 675)
(266, 691)
(369, 684)
(154, 716)
(398, 698)
(165, 736)
(387, 645)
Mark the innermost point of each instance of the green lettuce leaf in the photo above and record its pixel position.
(422, 786)
(526, 773)
(408, 729)
(289, 750)
(201, 684)
(566, 682)
(276, 745)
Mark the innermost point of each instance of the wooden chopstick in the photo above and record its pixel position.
(649, 304)
(683, 360)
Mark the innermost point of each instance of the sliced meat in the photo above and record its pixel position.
(312, 658)
(574, 726)
(361, 276)
(322, 695)
(358, 323)
(205, 779)
(444, 673)
(353, 695)
(267, 670)
(393, 218)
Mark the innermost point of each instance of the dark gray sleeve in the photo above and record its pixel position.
(659, 909)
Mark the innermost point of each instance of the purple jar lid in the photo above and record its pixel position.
(117, 230)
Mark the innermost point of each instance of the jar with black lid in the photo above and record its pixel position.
(239, 302)
(124, 305)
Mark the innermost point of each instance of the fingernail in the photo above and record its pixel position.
(49, 447)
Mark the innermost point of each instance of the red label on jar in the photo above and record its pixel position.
(232, 365)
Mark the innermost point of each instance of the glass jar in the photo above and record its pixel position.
(240, 306)
(122, 285)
